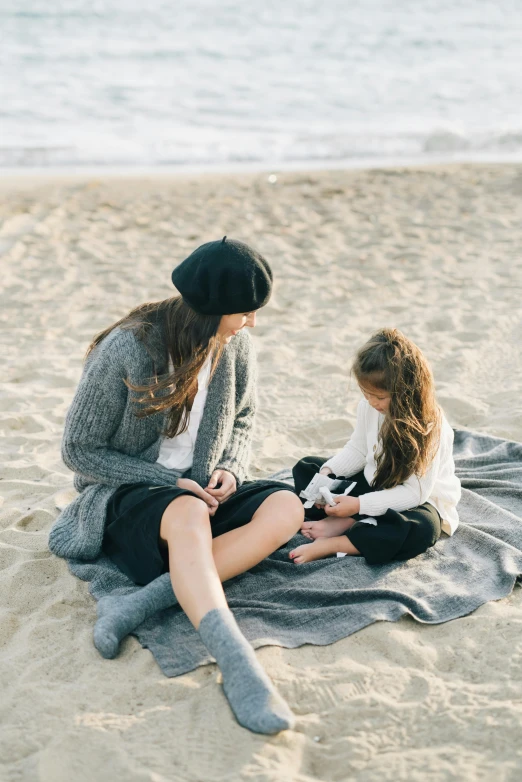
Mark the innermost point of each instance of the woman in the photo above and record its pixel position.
(158, 436)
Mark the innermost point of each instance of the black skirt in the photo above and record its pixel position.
(133, 519)
(397, 536)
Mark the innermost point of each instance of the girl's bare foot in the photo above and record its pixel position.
(326, 528)
(322, 547)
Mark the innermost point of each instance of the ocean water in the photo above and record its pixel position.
(209, 82)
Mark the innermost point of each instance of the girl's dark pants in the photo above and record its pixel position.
(397, 536)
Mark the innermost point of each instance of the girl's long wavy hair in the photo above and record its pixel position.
(190, 339)
(411, 429)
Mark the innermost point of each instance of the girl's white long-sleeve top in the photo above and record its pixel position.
(439, 485)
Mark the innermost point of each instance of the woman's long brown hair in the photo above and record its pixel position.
(190, 338)
(411, 429)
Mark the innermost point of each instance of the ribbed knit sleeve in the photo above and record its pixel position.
(95, 415)
(352, 458)
(236, 454)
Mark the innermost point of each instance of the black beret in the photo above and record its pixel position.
(224, 277)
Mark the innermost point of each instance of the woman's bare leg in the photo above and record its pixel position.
(185, 527)
(276, 520)
(197, 566)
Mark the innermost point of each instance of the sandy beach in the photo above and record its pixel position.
(434, 251)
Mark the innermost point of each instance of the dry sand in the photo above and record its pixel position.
(434, 251)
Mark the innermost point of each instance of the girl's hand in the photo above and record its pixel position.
(325, 471)
(212, 502)
(227, 488)
(344, 507)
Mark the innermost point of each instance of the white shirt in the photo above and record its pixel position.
(178, 452)
(439, 485)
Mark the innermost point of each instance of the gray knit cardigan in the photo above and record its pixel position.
(106, 445)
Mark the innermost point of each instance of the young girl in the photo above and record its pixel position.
(158, 435)
(399, 455)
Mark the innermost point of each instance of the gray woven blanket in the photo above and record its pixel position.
(284, 604)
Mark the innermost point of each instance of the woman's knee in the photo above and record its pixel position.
(184, 515)
(286, 509)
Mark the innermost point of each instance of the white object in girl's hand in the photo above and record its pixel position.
(312, 494)
(328, 496)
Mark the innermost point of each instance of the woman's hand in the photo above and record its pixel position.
(212, 502)
(344, 507)
(325, 471)
(227, 488)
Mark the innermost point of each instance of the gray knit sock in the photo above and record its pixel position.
(252, 696)
(119, 615)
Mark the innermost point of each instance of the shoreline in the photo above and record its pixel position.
(77, 172)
